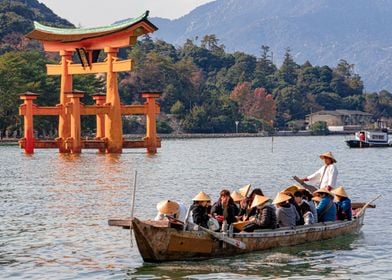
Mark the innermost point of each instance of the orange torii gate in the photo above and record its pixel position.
(87, 43)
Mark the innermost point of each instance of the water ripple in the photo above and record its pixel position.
(54, 208)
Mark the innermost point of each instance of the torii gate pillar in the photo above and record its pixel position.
(151, 127)
(65, 86)
(113, 120)
(28, 105)
(74, 143)
(100, 99)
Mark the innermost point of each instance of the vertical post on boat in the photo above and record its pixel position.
(133, 205)
(272, 139)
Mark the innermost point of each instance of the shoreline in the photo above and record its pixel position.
(14, 141)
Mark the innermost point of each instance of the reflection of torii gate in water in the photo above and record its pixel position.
(87, 43)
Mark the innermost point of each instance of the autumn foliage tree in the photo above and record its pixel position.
(255, 103)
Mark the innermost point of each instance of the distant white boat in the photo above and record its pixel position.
(370, 139)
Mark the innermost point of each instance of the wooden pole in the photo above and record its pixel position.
(133, 205)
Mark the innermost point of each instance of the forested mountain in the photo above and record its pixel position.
(321, 31)
(205, 88)
(16, 19)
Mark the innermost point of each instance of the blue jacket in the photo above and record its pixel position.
(344, 209)
(328, 215)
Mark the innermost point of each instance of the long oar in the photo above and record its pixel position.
(222, 237)
(367, 204)
(306, 186)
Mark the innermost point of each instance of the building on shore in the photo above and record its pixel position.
(341, 119)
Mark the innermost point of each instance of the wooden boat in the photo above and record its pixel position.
(159, 242)
(370, 139)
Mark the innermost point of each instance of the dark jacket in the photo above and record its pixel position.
(266, 217)
(344, 211)
(199, 215)
(229, 213)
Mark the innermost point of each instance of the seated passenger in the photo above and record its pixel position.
(265, 215)
(307, 196)
(316, 200)
(286, 214)
(167, 208)
(200, 209)
(237, 198)
(343, 204)
(290, 191)
(326, 209)
(309, 217)
(246, 210)
(224, 209)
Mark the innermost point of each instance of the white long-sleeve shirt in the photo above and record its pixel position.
(328, 179)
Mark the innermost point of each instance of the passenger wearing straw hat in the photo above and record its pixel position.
(286, 214)
(167, 208)
(326, 209)
(265, 216)
(327, 175)
(343, 204)
(246, 211)
(199, 209)
(237, 198)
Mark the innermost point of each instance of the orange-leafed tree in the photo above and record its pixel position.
(255, 103)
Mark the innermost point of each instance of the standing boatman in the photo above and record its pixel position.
(327, 175)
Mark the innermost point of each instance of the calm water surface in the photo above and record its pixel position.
(54, 208)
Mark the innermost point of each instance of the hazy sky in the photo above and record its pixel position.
(92, 13)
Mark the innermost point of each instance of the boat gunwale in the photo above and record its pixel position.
(285, 231)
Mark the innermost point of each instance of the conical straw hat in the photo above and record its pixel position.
(258, 200)
(324, 190)
(340, 192)
(316, 198)
(236, 196)
(328, 155)
(244, 190)
(290, 189)
(168, 207)
(201, 196)
(280, 197)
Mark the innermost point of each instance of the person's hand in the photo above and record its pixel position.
(219, 218)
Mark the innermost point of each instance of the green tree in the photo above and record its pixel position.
(329, 100)
(319, 128)
(290, 102)
(197, 121)
(178, 109)
(288, 71)
(264, 71)
(21, 72)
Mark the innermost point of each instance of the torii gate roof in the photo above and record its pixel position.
(87, 37)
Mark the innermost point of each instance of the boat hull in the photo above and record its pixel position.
(160, 244)
(362, 144)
